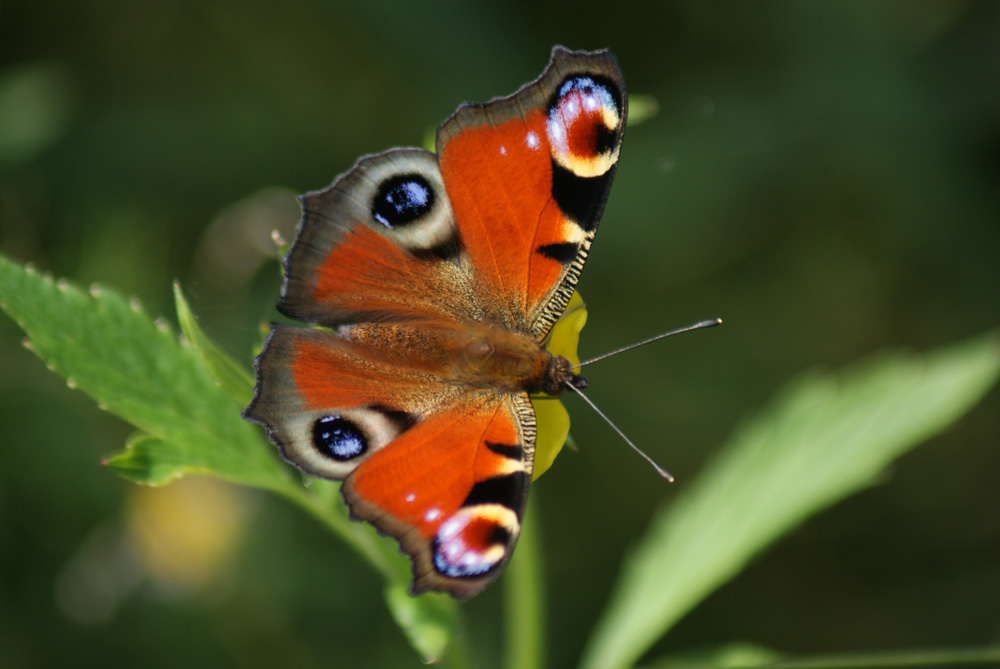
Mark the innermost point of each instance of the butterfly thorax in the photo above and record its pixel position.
(470, 354)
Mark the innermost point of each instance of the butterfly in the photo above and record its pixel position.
(436, 279)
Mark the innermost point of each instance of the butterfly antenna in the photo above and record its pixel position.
(659, 470)
(700, 325)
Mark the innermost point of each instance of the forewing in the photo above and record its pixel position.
(527, 177)
(379, 244)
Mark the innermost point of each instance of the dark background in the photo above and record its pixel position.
(822, 175)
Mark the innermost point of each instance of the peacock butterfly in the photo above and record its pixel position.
(437, 278)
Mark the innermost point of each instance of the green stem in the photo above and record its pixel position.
(524, 598)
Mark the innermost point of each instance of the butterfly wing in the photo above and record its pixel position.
(444, 472)
(378, 245)
(452, 489)
(527, 178)
(496, 226)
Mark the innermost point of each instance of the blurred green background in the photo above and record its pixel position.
(824, 176)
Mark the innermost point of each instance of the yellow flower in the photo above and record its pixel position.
(550, 415)
(183, 534)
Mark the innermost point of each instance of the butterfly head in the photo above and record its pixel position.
(559, 376)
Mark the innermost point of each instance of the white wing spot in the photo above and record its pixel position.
(432, 515)
(532, 140)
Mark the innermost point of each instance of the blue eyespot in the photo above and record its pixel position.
(338, 438)
(402, 199)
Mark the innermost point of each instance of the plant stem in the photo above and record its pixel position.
(525, 598)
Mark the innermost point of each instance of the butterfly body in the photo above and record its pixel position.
(437, 278)
(469, 355)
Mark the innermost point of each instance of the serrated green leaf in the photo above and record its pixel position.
(135, 368)
(823, 439)
(233, 379)
(186, 399)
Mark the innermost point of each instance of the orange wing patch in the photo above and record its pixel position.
(499, 182)
(432, 467)
(354, 275)
(327, 375)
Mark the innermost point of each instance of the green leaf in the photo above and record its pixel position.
(741, 655)
(150, 461)
(138, 370)
(823, 439)
(944, 658)
(428, 621)
(232, 378)
(185, 396)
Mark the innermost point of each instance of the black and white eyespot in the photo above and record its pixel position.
(407, 202)
(402, 200)
(584, 125)
(338, 438)
(331, 443)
